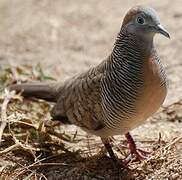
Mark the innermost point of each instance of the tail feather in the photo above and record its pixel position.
(46, 91)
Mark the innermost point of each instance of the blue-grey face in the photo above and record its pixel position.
(144, 21)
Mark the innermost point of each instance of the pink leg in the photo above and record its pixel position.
(134, 151)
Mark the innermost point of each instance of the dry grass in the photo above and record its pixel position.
(34, 147)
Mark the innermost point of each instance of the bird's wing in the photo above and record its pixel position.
(80, 99)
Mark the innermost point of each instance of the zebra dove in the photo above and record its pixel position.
(121, 92)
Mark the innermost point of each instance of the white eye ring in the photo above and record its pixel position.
(140, 20)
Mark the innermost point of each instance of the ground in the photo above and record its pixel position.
(67, 37)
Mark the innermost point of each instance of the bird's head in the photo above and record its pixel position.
(143, 21)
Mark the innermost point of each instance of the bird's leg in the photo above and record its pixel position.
(134, 151)
(108, 147)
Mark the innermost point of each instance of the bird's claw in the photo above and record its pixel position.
(137, 155)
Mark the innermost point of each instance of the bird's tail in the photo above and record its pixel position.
(46, 91)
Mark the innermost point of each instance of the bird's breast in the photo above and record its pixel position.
(153, 91)
(150, 97)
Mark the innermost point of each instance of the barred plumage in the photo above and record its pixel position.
(123, 80)
(121, 92)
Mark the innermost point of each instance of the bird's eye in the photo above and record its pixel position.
(140, 20)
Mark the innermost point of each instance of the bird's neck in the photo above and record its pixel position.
(124, 76)
(129, 47)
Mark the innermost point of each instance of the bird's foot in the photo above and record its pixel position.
(136, 154)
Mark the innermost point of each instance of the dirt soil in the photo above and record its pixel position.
(67, 37)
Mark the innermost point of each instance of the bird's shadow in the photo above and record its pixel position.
(72, 165)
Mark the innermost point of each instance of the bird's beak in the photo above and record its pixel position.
(160, 29)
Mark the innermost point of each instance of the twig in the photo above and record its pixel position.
(49, 164)
(173, 142)
(9, 149)
(166, 148)
(39, 164)
(7, 97)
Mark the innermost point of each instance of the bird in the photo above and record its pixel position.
(117, 95)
